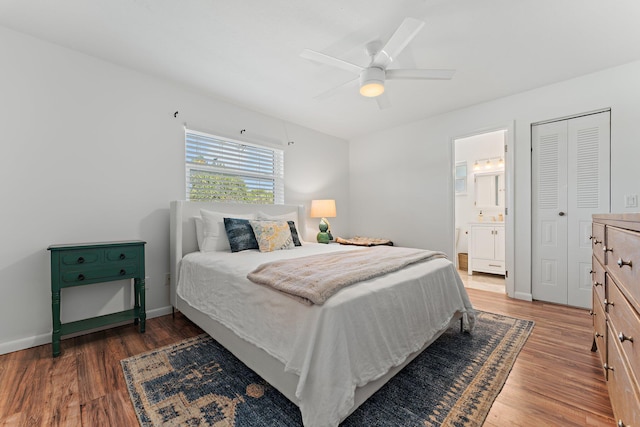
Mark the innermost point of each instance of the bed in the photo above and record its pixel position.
(327, 359)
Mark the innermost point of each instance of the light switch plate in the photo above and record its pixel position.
(631, 201)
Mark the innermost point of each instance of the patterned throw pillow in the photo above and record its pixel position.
(240, 234)
(272, 235)
(294, 233)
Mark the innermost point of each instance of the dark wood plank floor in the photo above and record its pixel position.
(556, 380)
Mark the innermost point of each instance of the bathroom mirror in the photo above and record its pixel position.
(489, 190)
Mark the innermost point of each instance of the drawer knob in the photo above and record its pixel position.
(607, 302)
(591, 313)
(622, 337)
(80, 276)
(622, 263)
(591, 272)
(621, 424)
(596, 241)
(607, 367)
(122, 256)
(123, 272)
(80, 260)
(598, 335)
(597, 284)
(607, 249)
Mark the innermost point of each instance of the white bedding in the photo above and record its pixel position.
(352, 339)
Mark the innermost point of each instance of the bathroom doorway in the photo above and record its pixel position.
(480, 210)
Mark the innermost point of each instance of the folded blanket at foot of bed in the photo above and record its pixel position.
(313, 279)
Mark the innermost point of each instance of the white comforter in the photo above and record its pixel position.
(352, 339)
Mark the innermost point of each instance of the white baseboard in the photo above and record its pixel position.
(36, 340)
(523, 296)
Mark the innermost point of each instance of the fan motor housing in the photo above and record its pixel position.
(372, 81)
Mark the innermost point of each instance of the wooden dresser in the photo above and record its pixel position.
(615, 240)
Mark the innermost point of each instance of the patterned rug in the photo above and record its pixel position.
(452, 383)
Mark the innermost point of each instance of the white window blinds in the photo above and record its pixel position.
(221, 169)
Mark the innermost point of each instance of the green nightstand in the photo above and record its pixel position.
(87, 263)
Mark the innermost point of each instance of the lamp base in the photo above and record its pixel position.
(323, 237)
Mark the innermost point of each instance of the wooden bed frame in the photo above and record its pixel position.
(183, 241)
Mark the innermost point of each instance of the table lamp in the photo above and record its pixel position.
(323, 209)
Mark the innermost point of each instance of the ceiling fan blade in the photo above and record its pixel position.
(330, 60)
(398, 41)
(383, 101)
(420, 74)
(332, 91)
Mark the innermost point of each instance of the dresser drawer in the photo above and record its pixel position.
(597, 279)
(597, 241)
(623, 261)
(623, 390)
(600, 328)
(625, 325)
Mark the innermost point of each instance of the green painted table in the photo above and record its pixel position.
(87, 263)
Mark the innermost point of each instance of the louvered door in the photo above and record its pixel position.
(570, 176)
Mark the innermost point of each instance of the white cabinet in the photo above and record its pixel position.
(486, 248)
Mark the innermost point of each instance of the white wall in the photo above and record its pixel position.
(402, 179)
(92, 152)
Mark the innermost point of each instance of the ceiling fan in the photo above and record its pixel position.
(373, 76)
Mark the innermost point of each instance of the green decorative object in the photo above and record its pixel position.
(323, 236)
(85, 264)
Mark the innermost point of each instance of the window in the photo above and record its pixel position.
(221, 169)
(461, 178)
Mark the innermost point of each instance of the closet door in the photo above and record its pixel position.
(549, 205)
(571, 179)
(589, 184)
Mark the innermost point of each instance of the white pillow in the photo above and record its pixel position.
(214, 235)
(289, 216)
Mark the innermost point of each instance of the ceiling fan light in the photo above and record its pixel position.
(372, 82)
(372, 89)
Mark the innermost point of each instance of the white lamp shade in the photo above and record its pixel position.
(323, 209)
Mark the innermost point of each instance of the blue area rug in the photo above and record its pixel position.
(452, 383)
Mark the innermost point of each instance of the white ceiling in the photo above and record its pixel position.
(247, 51)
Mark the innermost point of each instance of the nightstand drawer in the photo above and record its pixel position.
(102, 273)
(121, 254)
(87, 256)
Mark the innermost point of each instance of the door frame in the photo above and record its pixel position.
(509, 171)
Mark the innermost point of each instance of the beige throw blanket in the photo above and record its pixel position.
(313, 279)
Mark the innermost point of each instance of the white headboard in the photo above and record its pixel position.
(182, 228)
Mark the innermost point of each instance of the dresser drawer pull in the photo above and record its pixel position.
(122, 256)
(592, 272)
(607, 249)
(621, 424)
(622, 337)
(606, 367)
(598, 335)
(607, 302)
(80, 260)
(123, 272)
(80, 276)
(596, 241)
(597, 284)
(622, 263)
(591, 313)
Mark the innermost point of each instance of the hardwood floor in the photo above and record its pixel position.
(556, 380)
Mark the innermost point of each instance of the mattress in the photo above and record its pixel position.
(354, 338)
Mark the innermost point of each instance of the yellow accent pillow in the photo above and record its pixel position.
(272, 235)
